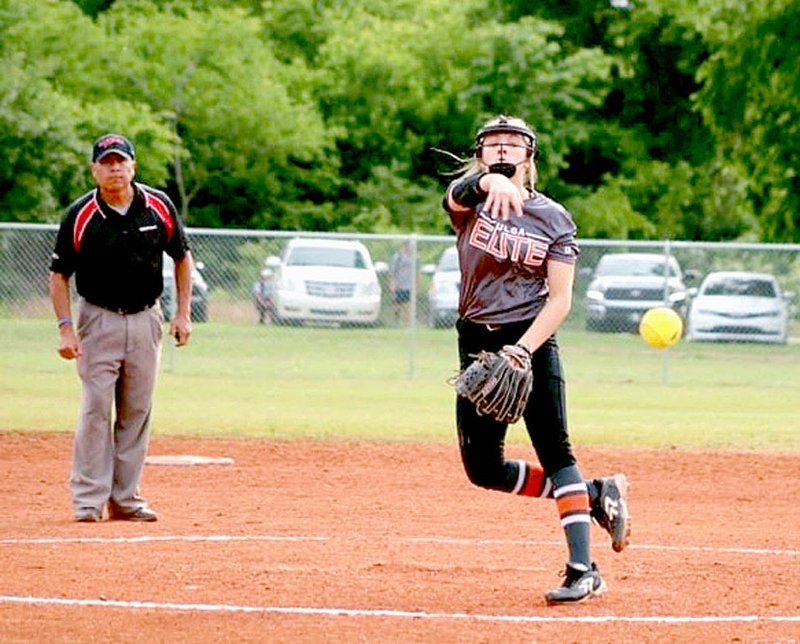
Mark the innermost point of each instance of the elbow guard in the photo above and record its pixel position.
(468, 191)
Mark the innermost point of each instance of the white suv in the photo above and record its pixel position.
(326, 281)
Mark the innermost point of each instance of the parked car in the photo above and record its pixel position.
(625, 285)
(444, 289)
(739, 306)
(199, 307)
(326, 281)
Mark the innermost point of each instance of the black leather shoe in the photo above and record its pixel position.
(140, 514)
(88, 515)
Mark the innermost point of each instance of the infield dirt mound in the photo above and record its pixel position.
(393, 537)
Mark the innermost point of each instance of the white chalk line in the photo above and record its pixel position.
(159, 538)
(401, 614)
(505, 542)
(435, 540)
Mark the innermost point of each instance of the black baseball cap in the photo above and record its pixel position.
(115, 143)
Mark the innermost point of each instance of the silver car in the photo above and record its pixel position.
(444, 290)
(738, 306)
(199, 306)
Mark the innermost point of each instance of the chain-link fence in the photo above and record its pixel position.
(729, 292)
(722, 291)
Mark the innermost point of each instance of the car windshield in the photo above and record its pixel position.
(448, 262)
(339, 257)
(636, 266)
(740, 286)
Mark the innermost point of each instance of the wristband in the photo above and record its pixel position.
(468, 191)
(64, 322)
(525, 349)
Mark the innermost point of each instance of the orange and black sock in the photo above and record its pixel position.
(531, 481)
(572, 499)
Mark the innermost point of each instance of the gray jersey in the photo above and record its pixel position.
(504, 263)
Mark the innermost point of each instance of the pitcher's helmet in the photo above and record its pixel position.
(506, 125)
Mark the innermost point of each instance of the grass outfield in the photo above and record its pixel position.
(246, 380)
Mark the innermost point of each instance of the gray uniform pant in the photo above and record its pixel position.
(118, 366)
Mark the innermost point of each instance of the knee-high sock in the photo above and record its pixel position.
(531, 481)
(572, 499)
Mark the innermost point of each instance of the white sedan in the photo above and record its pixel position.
(738, 306)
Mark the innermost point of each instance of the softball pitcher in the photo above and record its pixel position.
(517, 254)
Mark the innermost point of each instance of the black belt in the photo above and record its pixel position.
(500, 325)
(127, 310)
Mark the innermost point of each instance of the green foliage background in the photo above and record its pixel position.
(668, 118)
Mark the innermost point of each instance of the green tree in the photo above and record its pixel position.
(243, 126)
(398, 87)
(751, 100)
(94, 7)
(53, 104)
(663, 118)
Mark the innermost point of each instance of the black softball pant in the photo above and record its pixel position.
(482, 438)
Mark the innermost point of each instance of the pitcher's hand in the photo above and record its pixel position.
(503, 197)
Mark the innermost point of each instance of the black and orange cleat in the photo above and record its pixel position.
(610, 510)
(580, 584)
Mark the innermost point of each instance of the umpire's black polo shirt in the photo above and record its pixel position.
(117, 259)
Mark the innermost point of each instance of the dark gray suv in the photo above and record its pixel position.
(625, 285)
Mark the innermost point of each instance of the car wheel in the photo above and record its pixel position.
(288, 322)
(595, 326)
(200, 311)
(166, 309)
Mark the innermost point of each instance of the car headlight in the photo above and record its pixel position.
(678, 296)
(595, 295)
(369, 289)
(291, 284)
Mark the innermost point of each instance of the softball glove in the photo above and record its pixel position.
(498, 384)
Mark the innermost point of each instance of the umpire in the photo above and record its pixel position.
(113, 239)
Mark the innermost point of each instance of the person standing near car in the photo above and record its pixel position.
(263, 297)
(517, 254)
(401, 279)
(112, 239)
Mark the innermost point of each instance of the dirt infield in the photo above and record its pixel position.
(351, 542)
